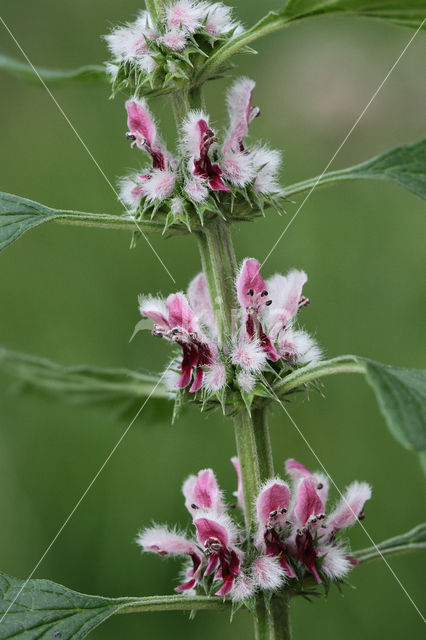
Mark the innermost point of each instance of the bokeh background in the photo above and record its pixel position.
(70, 295)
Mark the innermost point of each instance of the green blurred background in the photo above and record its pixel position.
(70, 295)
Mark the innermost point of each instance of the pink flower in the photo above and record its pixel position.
(165, 542)
(175, 39)
(272, 505)
(239, 493)
(269, 309)
(253, 298)
(143, 133)
(237, 164)
(215, 551)
(177, 322)
(218, 538)
(202, 492)
(219, 20)
(241, 113)
(196, 143)
(186, 15)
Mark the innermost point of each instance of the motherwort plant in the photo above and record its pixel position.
(237, 341)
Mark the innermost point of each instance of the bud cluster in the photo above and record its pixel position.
(155, 55)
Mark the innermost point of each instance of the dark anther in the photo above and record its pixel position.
(273, 513)
(321, 516)
(130, 136)
(361, 516)
(268, 303)
(194, 506)
(288, 522)
(320, 485)
(233, 506)
(250, 292)
(264, 293)
(283, 510)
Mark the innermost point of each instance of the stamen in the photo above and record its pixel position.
(273, 513)
(320, 486)
(194, 506)
(268, 303)
(361, 516)
(250, 292)
(130, 136)
(264, 293)
(283, 510)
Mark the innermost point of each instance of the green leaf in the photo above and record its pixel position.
(409, 13)
(404, 165)
(17, 215)
(39, 608)
(119, 390)
(88, 73)
(413, 540)
(400, 393)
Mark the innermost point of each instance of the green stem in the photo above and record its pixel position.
(304, 375)
(263, 442)
(219, 266)
(249, 465)
(171, 603)
(273, 620)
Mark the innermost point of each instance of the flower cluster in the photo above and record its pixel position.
(158, 55)
(206, 179)
(294, 538)
(264, 336)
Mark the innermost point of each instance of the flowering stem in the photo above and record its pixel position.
(251, 430)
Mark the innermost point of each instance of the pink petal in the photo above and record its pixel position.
(207, 528)
(199, 300)
(285, 292)
(202, 491)
(350, 506)
(238, 100)
(198, 381)
(139, 121)
(296, 469)
(272, 499)
(155, 309)
(164, 542)
(249, 278)
(308, 502)
(181, 314)
(239, 493)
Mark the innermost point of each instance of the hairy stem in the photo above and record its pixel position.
(304, 375)
(273, 619)
(219, 266)
(263, 442)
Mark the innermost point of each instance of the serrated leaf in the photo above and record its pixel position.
(119, 390)
(18, 215)
(404, 165)
(400, 393)
(413, 540)
(87, 73)
(30, 610)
